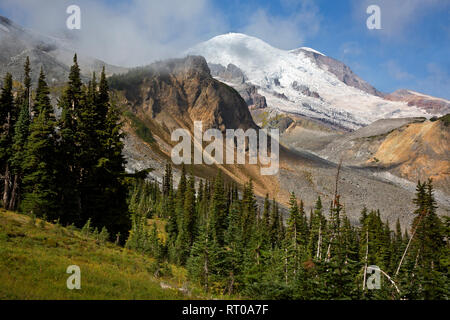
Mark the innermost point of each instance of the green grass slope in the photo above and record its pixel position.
(34, 257)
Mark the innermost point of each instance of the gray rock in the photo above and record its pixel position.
(229, 74)
(233, 75)
(304, 90)
(341, 71)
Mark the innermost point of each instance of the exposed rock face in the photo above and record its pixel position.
(432, 105)
(341, 71)
(412, 149)
(172, 94)
(345, 100)
(233, 75)
(251, 96)
(304, 90)
(282, 96)
(177, 92)
(282, 124)
(229, 74)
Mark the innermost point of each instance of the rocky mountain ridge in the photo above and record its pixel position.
(172, 94)
(302, 82)
(431, 104)
(52, 54)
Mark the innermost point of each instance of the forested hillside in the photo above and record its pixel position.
(230, 245)
(70, 170)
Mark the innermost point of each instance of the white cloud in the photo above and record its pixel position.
(437, 82)
(397, 16)
(396, 71)
(285, 32)
(350, 48)
(133, 33)
(137, 32)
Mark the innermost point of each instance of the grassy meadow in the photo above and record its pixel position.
(34, 256)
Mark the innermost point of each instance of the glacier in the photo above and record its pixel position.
(277, 74)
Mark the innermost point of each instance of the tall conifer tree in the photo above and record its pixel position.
(8, 115)
(40, 189)
(21, 132)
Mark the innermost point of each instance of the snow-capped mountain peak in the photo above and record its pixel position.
(296, 82)
(312, 50)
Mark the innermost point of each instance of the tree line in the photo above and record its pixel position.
(230, 245)
(68, 168)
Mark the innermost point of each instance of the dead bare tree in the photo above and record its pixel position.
(367, 255)
(392, 281)
(319, 241)
(334, 203)
(422, 214)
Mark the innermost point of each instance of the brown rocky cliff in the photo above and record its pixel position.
(431, 104)
(177, 92)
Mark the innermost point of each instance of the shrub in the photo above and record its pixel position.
(87, 229)
(103, 236)
(32, 221)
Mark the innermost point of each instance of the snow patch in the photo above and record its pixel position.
(312, 50)
(3, 28)
(273, 71)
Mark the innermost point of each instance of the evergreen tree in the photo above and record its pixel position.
(219, 210)
(21, 132)
(187, 232)
(276, 226)
(8, 115)
(91, 163)
(190, 212)
(40, 189)
(316, 234)
(266, 216)
(204, 263)
(167, 180)
(428, 245)
(69, 168)
(293, 236)
(248, 211)
(398, 246)
(110, 166)
(182, 185)
(233, 249)
(256, 258)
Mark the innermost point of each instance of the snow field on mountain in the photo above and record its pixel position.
(274, 71)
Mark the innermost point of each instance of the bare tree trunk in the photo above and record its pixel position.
(332, 207)
(337, 179)
(319, 241)
(205, 267)
(7, 175)
(295, 250)
(417, 259)
(367, 254)
(392, 281)
(14, 193)
(409, 243)
(231, 285)
(329, 249)
(7, 187)
(285, 266)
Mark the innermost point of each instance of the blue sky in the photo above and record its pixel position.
(411, 51)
